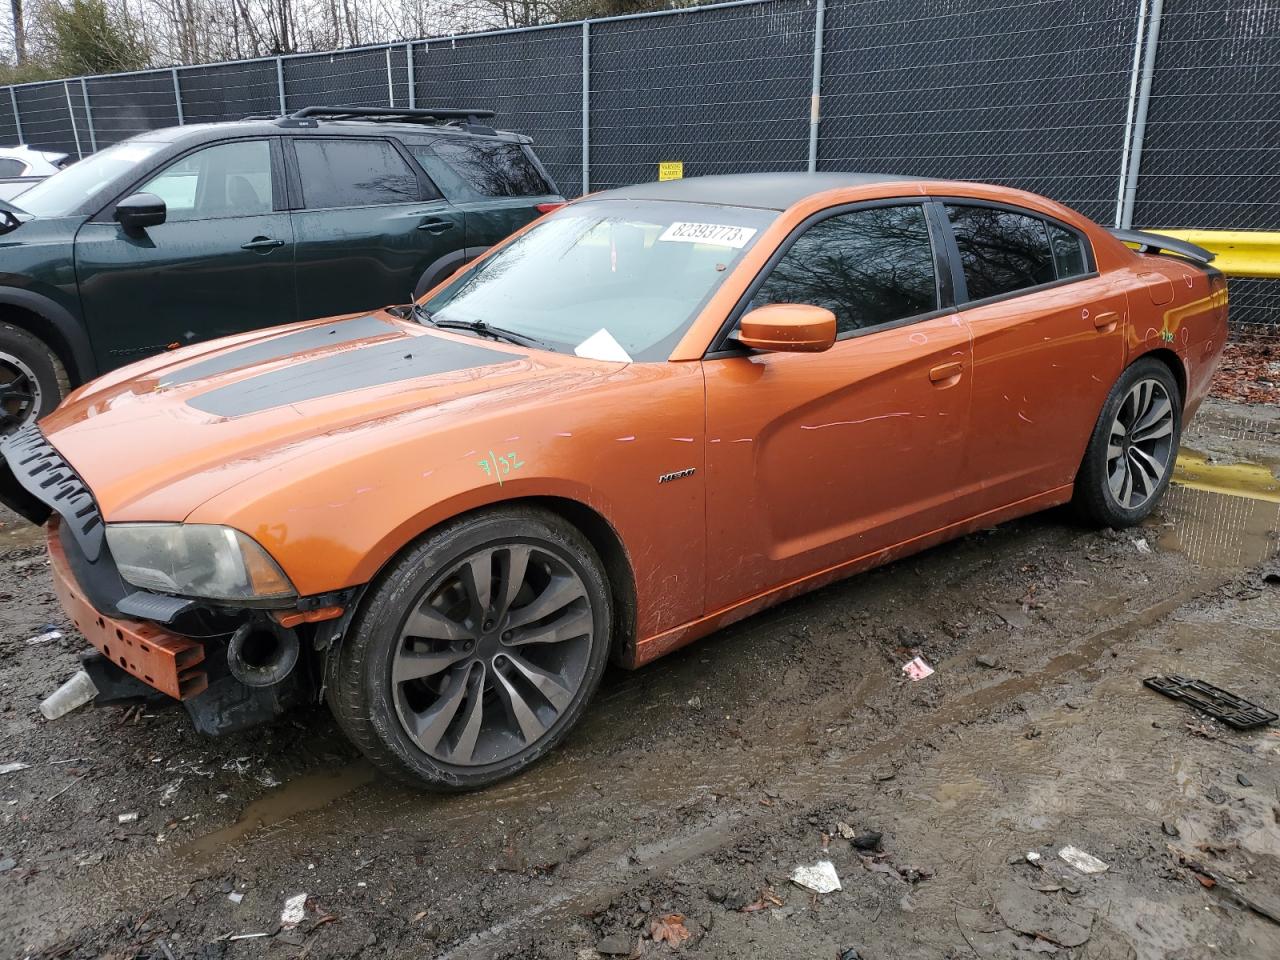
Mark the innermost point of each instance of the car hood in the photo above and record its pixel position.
(156, 439)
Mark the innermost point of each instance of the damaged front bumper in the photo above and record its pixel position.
(165, 661)
(231, 668)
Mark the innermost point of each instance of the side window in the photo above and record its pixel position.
(227, 180)
(353, 173)
(868, 267)
(468, 169)
(1068, 252)
(12, 168)
(1000, 251)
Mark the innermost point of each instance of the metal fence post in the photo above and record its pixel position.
(413, 80)
(280, 84)
(17, 120)
(815, 99)
(1134, 73)
(75, 129)
(88, 116)
(586, 106)
(391, 90)
(177, 97)
(1140, 114)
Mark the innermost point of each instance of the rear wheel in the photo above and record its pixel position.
(32, 378)
(476, 652)
(1130, 457)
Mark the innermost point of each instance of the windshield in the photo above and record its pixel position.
(64, 192)
(608, 279)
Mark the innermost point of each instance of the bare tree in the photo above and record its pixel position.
(19, 33)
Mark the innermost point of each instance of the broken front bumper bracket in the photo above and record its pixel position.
(165, 661)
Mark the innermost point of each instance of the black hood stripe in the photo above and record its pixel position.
(372, 366)
(344, 331)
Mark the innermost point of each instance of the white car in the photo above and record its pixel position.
(21, 167)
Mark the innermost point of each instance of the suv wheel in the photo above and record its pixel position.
(32, 378)
(1130, 457)
(476, 652)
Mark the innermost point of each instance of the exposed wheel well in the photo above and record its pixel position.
(617, 567)
(1174, 363)
(47, 332)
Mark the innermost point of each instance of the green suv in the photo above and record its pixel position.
(188, 233)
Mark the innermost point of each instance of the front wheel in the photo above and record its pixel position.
(32, 379)
(1131, 453)
(476, 652)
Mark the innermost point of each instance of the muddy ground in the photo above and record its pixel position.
(672, 819)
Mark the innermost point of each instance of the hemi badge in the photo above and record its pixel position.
(668, 477)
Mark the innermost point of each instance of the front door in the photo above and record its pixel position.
(221, 263)
(370, 227)
(817, 459)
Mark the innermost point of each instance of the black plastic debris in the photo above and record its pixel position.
(1216, 702)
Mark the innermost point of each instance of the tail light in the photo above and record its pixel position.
(548, 207)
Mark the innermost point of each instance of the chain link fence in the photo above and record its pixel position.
(1156, 113)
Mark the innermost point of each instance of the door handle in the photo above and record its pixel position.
(262, 243)
(945, 374)
(1106, 321)
(435, 225)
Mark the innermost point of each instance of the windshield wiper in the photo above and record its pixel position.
(482, 328)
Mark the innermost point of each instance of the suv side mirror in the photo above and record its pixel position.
(788, 328)
(141, 210)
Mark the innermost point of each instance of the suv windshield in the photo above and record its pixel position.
(63, 193)
(607, 279)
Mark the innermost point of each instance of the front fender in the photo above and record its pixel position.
(333, 514)
(69, 329)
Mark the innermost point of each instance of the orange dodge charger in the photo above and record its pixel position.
(650, 413)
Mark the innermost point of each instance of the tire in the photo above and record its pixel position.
(419, 662)
(33, 380)
(1120, 483)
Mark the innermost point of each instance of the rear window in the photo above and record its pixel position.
(1000, 251)
(476, 169)
(11, 168)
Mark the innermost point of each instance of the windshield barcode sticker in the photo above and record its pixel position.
(716, 234)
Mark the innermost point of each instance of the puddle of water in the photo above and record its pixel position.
(1258, 480)
(1219, 532)
(310, 792)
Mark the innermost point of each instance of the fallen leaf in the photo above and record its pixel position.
(670, 928)
(767, 899)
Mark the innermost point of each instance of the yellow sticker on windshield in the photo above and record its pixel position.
(716, 234)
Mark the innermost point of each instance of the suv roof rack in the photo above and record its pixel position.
(310, 116)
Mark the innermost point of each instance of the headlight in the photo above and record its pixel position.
(196, 560)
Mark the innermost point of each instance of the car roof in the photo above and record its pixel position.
(769, 191)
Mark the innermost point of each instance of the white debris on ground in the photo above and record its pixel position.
(295, 911)
(1084, 862)
(820, 877)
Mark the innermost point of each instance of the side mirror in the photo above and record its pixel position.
(788, 328)
(141, 210)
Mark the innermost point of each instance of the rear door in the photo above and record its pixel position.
(1048, 343)
(221, 263)
(369, 227)
(498, 183)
